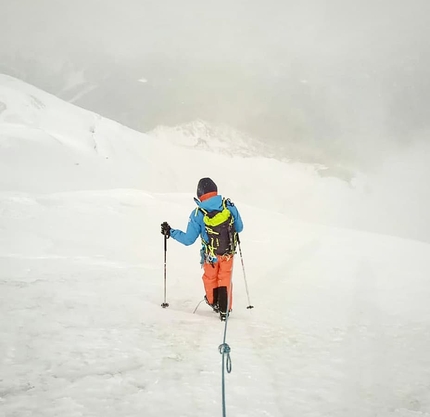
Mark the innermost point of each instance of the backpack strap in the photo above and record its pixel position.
(228, 202)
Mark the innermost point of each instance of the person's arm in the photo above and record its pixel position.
(238, 224)
(193, 231)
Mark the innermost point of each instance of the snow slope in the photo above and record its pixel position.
(341, 320)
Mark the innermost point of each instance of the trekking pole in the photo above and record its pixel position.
(244, 274)
(165, 304)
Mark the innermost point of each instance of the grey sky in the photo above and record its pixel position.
(344, 77)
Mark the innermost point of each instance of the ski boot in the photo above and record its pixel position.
(214, 307)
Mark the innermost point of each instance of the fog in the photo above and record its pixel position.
(337, 81)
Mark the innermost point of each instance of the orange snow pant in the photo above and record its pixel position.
(217, 276)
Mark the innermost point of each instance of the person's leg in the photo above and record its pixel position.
(210, 278)
(224, 283)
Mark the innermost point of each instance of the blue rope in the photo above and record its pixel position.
(224, 349)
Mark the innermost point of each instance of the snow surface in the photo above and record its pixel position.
(341, 325)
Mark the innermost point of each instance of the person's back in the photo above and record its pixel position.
(217, 221)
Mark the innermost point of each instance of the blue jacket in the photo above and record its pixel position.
(196, 227)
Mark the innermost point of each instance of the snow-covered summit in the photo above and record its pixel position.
(203, 135)
(65, 147)
(26, 108)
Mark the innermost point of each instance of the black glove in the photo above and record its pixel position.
(165, 229)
